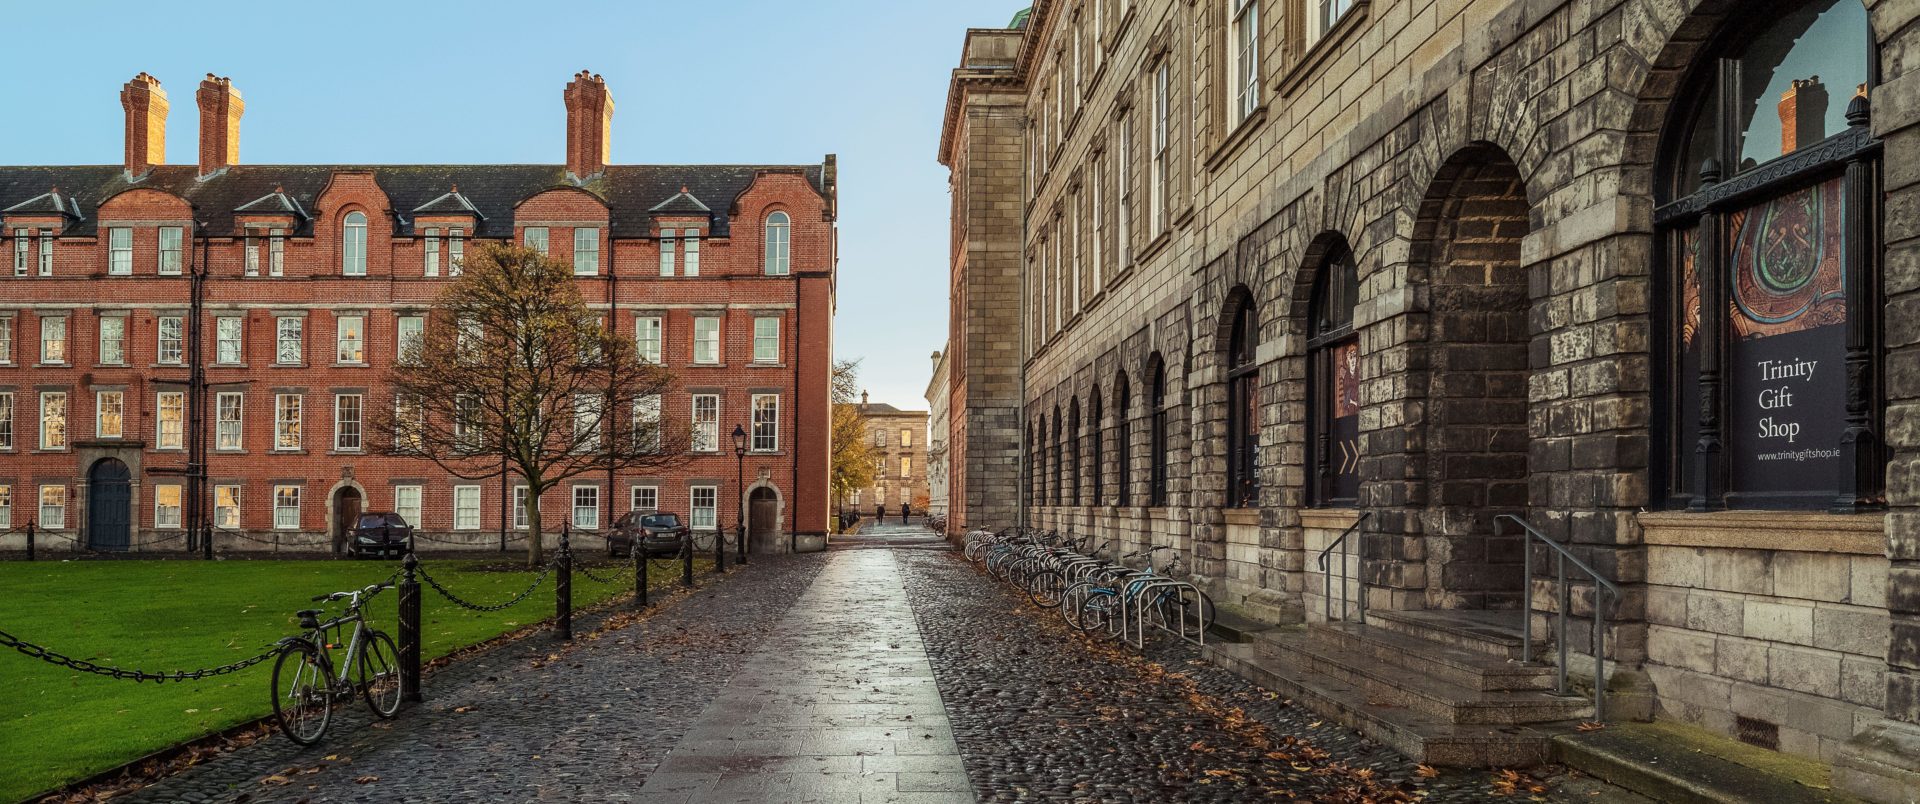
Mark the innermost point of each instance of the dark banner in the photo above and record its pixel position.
(1785, 371)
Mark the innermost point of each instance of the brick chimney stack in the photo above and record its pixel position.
(589, 125)
(1803, 114)
(146, 105)
(220, 110)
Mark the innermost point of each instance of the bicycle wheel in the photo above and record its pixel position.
(302, 704)
(1044, 588)
(1100, 614)
(1193, 610)
(380, 675)
(1073, 603)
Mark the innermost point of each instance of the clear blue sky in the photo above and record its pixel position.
(750, 81)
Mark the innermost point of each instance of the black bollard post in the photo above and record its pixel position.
(563, 590)
(30, 540)
(639, 576)
(719, 550)
(686, 559)
(742, 531)
(410, 629)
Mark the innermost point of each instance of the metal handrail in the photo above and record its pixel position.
(1326, 574)
(1562, 556)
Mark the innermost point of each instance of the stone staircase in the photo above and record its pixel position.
(1445, 688)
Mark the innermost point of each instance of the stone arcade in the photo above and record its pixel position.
(1633, 271)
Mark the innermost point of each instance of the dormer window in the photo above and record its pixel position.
(432, 267)
(274, 255)
(692, 237)
(456, 250)
(779, 234)
(353, 245)
(22, 245)
(666, 252)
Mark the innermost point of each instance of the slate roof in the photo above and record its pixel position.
(682, 203)
(52, 202)
(274, 203)
(632, 191)
(452, 203)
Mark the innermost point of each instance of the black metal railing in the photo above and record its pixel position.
(1350, 574)
(1604, 592)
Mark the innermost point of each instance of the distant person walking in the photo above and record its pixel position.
(905, 509)
(880, 514)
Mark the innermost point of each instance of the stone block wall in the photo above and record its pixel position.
(1777, 618)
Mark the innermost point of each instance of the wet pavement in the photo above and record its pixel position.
(884, 670)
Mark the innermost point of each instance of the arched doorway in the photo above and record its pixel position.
(346, 511)
(763, 517)
(109, 506)
(1476, 439)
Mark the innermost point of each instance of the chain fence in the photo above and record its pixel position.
(465, 604)
(50, 656)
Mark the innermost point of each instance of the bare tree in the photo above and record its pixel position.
(514, 373)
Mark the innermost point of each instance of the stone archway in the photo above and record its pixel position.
(345, 502)
(766, 518)
(1476, 350)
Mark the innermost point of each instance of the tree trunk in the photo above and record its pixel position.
(536, 549)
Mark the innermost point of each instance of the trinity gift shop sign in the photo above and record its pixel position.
(1786, 383)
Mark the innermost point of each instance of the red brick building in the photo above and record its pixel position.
(151, 313)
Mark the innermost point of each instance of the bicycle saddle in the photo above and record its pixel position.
(305, 613)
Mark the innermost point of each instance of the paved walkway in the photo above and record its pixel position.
(887, 670)
(839, 704)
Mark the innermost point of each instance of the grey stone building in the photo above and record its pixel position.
(899, 439)
(1351, 281)
(939, 396)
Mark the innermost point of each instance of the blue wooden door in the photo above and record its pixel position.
(109, 502)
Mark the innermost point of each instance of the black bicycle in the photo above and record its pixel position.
(305, 682)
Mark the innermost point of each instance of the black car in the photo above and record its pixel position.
(381, 535)
(659, 534)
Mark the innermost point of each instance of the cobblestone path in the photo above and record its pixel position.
(515, 724)
(886, 670)
(1041, 713)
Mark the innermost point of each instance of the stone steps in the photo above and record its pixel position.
(1420, 736)
(1454, 665)
(1677, 764)
(1449, 629)
(1390, 682)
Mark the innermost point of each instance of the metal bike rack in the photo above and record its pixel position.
(1138, 598)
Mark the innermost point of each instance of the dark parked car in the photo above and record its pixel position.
(659, 534)
(381, 535)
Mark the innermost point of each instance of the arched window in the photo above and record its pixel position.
(1098, 435)
(1026, 486)
(1243, 409)
(1040, 463)
(353, 245)
(1333, 382)
(1157, 433)
(1123, 440)
(1073, 449)
(779, 239)
(1059, 458)
(1770, 247)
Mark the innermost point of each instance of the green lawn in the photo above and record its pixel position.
(57, 725)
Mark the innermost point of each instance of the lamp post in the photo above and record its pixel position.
(740, 486)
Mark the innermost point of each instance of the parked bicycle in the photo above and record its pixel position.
(1093, 595)
(307, 681)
